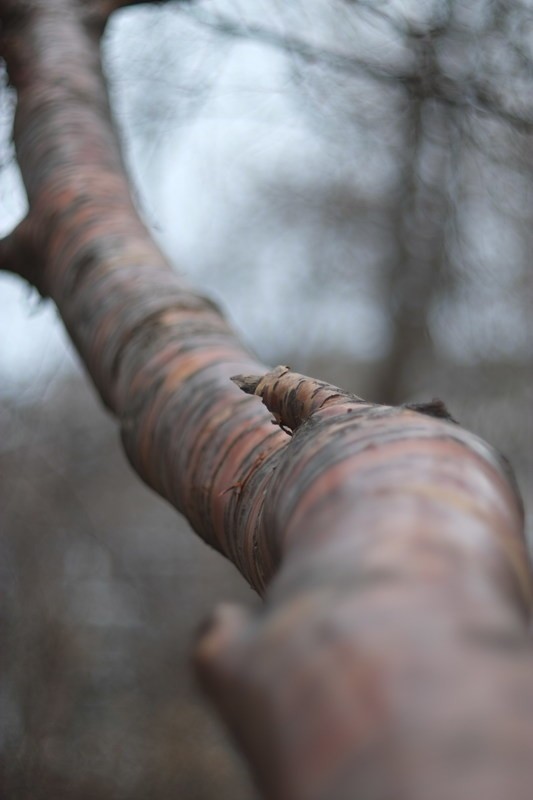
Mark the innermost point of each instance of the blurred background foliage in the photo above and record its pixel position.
(352, 181)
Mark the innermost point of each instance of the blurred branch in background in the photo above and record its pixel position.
(427, 80)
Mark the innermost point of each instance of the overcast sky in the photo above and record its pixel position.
(207, 121)
(194, 158)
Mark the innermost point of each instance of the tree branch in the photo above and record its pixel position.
(19, 255)
(392, 657)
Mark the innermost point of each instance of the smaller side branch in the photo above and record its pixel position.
(290, 397)
(19, 255)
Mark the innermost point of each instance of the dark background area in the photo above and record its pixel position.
(102, 588)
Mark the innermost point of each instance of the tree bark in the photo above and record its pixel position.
(392, 658)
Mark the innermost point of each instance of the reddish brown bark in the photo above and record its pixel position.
(392, 658)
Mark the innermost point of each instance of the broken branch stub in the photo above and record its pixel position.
(291, 397)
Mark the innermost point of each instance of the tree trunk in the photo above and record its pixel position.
(392, 659)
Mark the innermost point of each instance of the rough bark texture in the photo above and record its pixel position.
(393, 658)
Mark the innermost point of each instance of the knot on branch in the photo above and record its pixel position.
(290, 397)
(432, 408)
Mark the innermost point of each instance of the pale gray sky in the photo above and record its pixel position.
(214, 126)
(192, 179)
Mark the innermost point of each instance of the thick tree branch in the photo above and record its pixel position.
(392, 657)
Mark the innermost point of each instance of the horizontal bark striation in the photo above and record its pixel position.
(160, 354)
(392, 658)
